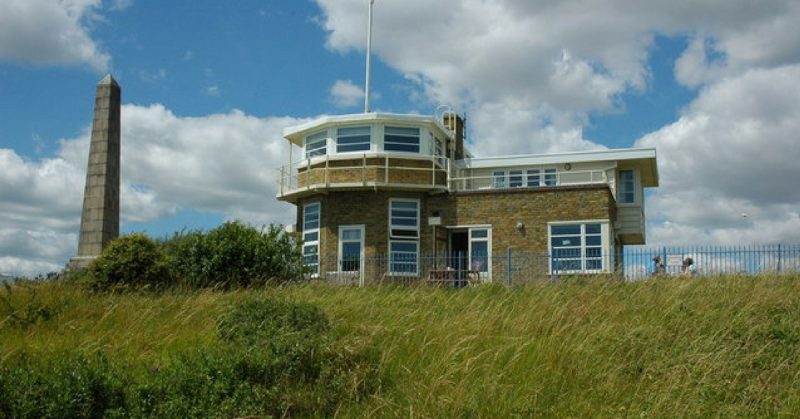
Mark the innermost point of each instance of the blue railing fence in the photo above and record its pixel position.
(514, 267)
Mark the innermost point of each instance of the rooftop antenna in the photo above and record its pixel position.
(369, 56)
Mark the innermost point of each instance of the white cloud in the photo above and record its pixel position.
(345, 94)
(221, 163)
(213, 90)
(732, 152)
(50, 32)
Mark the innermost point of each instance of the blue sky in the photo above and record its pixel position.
(209, 85)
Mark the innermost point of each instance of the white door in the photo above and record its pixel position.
(480, 252)
(351, 251)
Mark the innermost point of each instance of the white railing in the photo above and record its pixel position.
(542, 180)
(362, 169)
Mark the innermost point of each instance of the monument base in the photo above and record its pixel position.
(79, 263)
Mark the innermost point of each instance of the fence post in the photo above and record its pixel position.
(509, 266)
(779, 258)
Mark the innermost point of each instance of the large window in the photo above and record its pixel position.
(401, 139)
(577, 247)
(352, 139)
(316, 144)
(311, 213)
(541, 177)
(627, 193)
(403, 236)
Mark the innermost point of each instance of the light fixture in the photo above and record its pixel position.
(567, 166)
(520, 226)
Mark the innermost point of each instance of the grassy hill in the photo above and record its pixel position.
(727, 346)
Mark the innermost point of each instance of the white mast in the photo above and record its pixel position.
(369, 56)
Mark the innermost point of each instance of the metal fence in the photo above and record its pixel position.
(515, 267)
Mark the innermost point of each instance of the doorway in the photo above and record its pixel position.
(351, 252)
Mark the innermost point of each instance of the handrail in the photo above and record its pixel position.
(470, 183)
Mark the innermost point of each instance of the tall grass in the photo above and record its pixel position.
(724, 346)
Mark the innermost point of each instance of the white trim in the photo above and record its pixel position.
(296, 133)
(361, 256)
(558, 158)
(605, 246)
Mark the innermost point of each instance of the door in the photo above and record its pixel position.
(351, 252)
(480, 255)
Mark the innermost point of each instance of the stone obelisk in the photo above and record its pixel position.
(100, 216)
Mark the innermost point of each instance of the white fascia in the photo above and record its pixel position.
(296, 133)
(558, 158)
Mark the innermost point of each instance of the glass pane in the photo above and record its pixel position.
(352, 147)
(404, 233)
(566, 265)
(403, 247)
(410, 222)
(565, 241)
(310, 249)
(401, 130)
(479, 256)
(404, 205)
(354, 234)
(593, 240)
(401, 147)
(592, 228)
(405, 213)
(353, 140)
(567, 253)
(515, 178)
(565, 229)
(401, 140)
(594, 252)
(310, 237)
(312, 209)
(317, 152)
(403, 268)
(479, 233)
(352, 131)
(594, 264)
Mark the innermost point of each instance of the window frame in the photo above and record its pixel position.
(324, 147)
(487, 273)
(339, 136)
(418, 137)
(315, 243)
(361, 242)
(620, 191)
(584, 257)
(395, 239)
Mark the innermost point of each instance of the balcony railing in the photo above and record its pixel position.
(363, 170)
(542, 180)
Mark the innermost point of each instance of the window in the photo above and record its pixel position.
(403, 236)
(352, 139)
(479, 249)
(351, 247)
(311, 213)
(577, 247)
(439, 151)
(316, 144)
(401, 139)
(515, 178)
(626, 193)
(534, 178)
(550, 177)
(499, 179)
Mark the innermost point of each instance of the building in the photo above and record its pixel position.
(383, 197)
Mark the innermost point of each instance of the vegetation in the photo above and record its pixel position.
(133, 261)
(724, 346)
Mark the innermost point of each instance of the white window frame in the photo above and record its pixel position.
(605, 251)
(360, 241)
(324, 147)
(499, 179)
(519, 174)
(316, 230)
(337, 136)
(621, 191)
(418, 137)
(404, 239)
(488, 240)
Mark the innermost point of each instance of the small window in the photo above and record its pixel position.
(401, 139)
(499, 179)
(404, 218)
(311, 222)
(550, 177)
(534, 178)
(403, 257)
(403, 236)
(626, 187)
(515, 178)
(439, 151)
(316, 144)
(352, 139)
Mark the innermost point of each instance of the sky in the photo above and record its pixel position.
(208, 86)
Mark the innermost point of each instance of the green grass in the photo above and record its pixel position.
(726, 346)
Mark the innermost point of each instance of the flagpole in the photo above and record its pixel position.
(369, 58)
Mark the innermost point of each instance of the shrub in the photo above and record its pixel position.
(60, 385)
(234, 254)
(133, 261)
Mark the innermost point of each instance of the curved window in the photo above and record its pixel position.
(401, 139)
(316, 144)
(352, 139)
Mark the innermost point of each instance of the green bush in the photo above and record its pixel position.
(60, 385)
(133, 261)
(234, 254)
